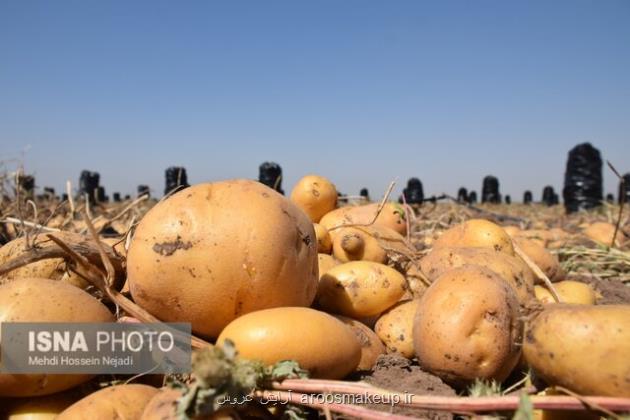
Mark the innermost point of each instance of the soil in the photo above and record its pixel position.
(396, 373)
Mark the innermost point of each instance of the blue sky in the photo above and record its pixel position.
(360, 91)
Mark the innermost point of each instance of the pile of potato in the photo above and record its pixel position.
(301, 278)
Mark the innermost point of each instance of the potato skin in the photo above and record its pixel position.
(44, 300)
(511, 269)
(114, 402)
(468, 326)
(395, 328)
(315, 195)
(581, 347)
(545, 260)
(371, 345)
(367, 243)
(41, 408)
(213, 252)
(476, 233)
(602, 233)
(569, 292)
(324, 242)
(319, 342)
(392, 216)
(325, 262)
(360, 289)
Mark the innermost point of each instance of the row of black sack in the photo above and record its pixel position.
(583, 184)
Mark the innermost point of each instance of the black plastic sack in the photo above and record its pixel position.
(101, 197)
(64, 197)
(365, 193)
(143, 190)
(27, 184)
(527, 197)
(462, 195)
(583, 187)
(176, 179)
(508, 199)
(270, 174)
(549, 196)
(472, 197)
(88, 183)
(610, 199)
(116, 197)
(490, 190)
(624, 189)
(413, 193)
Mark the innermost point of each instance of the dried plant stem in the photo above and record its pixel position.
(539, 273)
(347, 409)
(379, 209)
(16, 221)
(454, 404)
(622, 201)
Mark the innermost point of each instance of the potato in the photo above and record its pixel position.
(581, 347)
(476, 233)
(325, 263)
(468, 326)
(44, 300)
(371, 345)
(395, 328)
(360, 289)
(52, 268)
(602, 233)
(369, 243)
(114, 402)
(319, 342)
(545, 260)
(511, 269)
(569, 292)
(392, 216)
(41, 408)
(315, 195)
(324, 242)
(512, 231)
(213, 252)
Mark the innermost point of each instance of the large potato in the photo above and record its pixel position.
(43, 300)
(476, 233)
(213, 252)
(569, 291)
(319, 342)
(511, 269)
(315, 195)
(392, 216)
(468, 326)
(545, 260)
(395, 328)
(111, 403)
(360, 289)
(581, 347)
(367, 243)
(371, 345)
